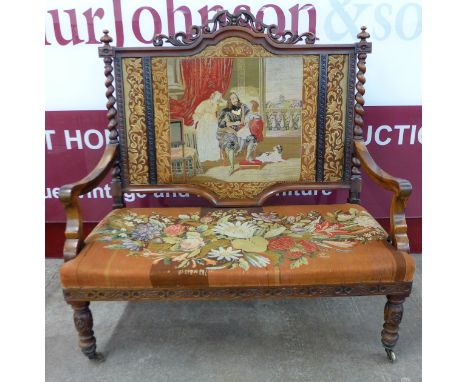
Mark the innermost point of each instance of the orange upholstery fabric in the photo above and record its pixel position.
(208, 247)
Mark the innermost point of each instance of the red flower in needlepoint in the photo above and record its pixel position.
(308, 246)
(174, 230)
(294, 255)
(281, 243)
(322, 226)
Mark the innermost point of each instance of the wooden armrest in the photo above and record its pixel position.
(69, 197)
(401, 189)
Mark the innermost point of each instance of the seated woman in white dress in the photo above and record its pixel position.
(206, 125)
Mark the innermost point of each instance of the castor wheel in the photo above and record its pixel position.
(391, 355)
(97, 357)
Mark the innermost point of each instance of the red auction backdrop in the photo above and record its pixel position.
(75, 141)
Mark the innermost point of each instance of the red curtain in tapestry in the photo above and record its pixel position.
(201, 77)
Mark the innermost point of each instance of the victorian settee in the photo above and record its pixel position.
(235, 112)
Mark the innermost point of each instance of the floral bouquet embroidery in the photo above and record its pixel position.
(229, 239)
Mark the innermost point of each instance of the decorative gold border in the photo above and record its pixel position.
(235, 47)
(335, 117)
(161, 120)
(135, 121)
(309, 117)
(236, 190)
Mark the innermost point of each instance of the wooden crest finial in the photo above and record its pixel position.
(225, 19)
(363, 35)
(106, 39)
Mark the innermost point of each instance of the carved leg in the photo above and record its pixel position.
(393, 314)
(84, 325)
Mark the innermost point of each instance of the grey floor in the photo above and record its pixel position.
(330, 339)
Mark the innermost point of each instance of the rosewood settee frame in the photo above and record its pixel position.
(246, 26)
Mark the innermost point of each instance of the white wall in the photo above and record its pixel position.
(74, 73)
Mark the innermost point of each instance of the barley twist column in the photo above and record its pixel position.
(362, 47)
(107, 53)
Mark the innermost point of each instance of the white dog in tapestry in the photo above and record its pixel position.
(272, 156)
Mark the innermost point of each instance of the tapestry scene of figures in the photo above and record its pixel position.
(235, 119)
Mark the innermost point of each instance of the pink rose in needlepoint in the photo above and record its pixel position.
(308, 246)
(191, 244)
(174, 230)
(281, 243)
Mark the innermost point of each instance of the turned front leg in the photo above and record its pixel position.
(84, 325)
(393, 314)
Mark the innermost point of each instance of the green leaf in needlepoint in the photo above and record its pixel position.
(202, 228)
(183, 263)
(256, 260)
(194, 253)
(254, 244)
(167, 261)
(344, 217)
(244, 264)
(300, 261)
(277, 258)
(172, 239)
(214, 245)
(116, 246)
(275, 232)
(158, 247)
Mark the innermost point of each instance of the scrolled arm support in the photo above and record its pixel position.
(69, 197)
(401, 189)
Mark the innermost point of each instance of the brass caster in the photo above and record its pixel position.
(97, 357)
(391, 355)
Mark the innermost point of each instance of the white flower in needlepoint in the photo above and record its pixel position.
(238, 230)
(366, 221)
(257, 260)
(228, 254)
(191, 243)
